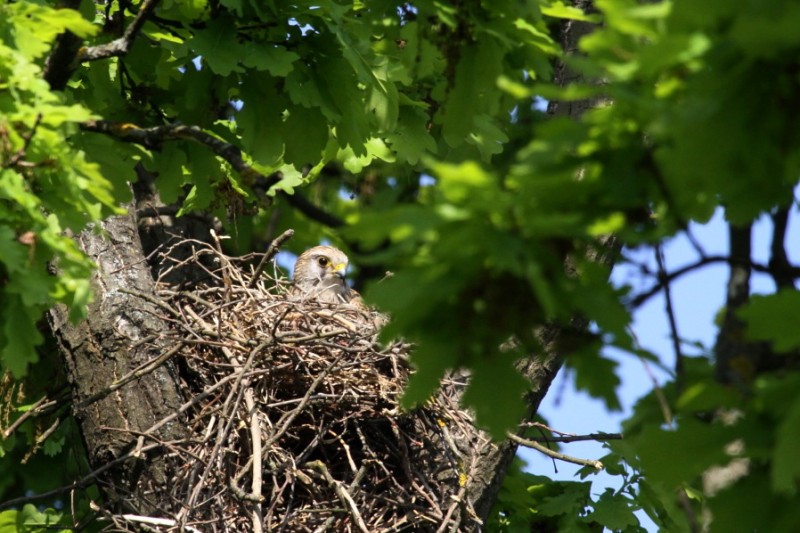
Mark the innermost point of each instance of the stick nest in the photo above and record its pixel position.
(294, 418)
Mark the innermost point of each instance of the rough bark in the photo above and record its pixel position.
(119, 336)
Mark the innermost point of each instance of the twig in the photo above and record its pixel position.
(673, 324)
(43, 405)
(274, 246)
(599, 437)
(81, 483)
(155, 521)
(255, 446)
(597, 465)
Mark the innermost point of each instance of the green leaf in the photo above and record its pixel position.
(570, 502)
(431, 361)
(170, 162)
(496, 393)
(559, 10)
(596, 375)
(19, 336)
(771, 318)
(260, 120)
(474, 91)
(373, 148)
(218, 46)
(614, 511)
(693, 447)
(411, 140)
(305, 134)
(277, 60)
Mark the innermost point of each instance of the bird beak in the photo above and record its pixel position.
(339, 269)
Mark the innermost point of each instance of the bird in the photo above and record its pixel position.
(319, 275)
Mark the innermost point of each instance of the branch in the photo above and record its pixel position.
(60, 64)
(778, 261)
(597, 465)
(341, 492)
(599, 437)
(311, 211)
(121, 46)
(673, 323)
(153, 138)
(42, 406)
(274, 246)
(707, 260)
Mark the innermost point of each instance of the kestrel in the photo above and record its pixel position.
(319, 275)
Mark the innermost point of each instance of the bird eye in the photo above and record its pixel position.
(323, 261)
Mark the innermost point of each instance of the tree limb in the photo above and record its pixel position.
(60, 64)
(121, 46)
(312, 211)
(780, 268)
(707, 260)
(153, 138)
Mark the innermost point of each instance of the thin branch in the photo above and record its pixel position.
(597, 465)
(341, 492)
(599, 437)
(85, 481)
(154, 137)
(673, 324)
(121, 46)
(274, 246)
(708, 260)
(42, 406)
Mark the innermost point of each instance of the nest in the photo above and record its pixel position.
(294, 420)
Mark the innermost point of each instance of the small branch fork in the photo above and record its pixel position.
(534, 443)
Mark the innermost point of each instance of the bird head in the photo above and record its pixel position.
(320, 271)
(319, 263)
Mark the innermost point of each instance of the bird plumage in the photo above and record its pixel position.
(319, 275)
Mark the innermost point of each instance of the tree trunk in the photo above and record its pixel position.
(120, 335)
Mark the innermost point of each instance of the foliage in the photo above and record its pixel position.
(351, 103)
(30, 519)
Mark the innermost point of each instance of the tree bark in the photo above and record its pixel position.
(120, 334)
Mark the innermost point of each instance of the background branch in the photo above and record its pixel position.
(121, 46)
